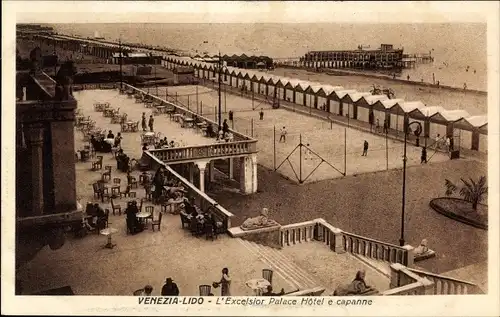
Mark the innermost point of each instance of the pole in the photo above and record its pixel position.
(253, 108)
(188, 102)
(402, 239)
(348, 114)
(252, 127)
(176, 97)
(274, 146)
(201, 108)
(345, 151)
(300, 159)
(156, 83)
(220, 104)
(196, 98)
(386, 152)
(225, 100)
(215, 116)
(55, 65)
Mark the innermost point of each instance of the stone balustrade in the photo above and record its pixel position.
(216, 150)
(374, 249)
(297, 233)
(202, 199)
(446, 285)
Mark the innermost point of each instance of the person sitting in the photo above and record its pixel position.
(269, 292)
(172, 144)
(133, 224)
(110, 135)
(146, 291)
(169, 288)
(210, 131)
(356, 287)
(95, 143)
(145, 147)
(189, 206)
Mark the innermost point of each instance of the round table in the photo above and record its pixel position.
(109, 232)
(143, 214)
(110, 141)
(258, 285)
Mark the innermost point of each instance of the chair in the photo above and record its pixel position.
(149, 193)
(138, 292)
(97, 165)
(103, 191)
(116, 192)
(117, 180)
(132, 182)
(209, 231)
(184, 220)
(140, 205)
(150, 209)
(156, 222)
(97, 190)
(116, 207)
(205, 290)
(107, 174)
(267, 275)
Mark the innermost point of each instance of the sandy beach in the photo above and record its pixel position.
(473, 103)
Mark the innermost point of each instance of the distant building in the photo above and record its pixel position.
(135, 58)
(240, 61)
(386, 57)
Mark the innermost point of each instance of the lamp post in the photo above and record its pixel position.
(417, 134)
(220, 99)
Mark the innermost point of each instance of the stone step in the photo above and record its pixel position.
(383, 267)
(287, 263)
(281, 265)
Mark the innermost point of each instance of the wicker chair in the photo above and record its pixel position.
(267, 275)
(205, 290)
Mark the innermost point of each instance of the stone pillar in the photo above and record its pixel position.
(395, 271)
(231, 168)
(202, 166)
(337, 241)
(411, 255)
(35, 142)
(212, 171)
(449, 130)
(248, 174)
(63, 169)
(475, 140)
(191, 173)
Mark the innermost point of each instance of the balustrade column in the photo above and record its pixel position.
(202, 166)
(35, 143)
(410, 256)
(338, 241)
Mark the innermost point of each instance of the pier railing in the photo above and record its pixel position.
(202, 199)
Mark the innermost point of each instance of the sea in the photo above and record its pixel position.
(459, 50)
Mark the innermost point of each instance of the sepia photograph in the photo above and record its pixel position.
(215, 149)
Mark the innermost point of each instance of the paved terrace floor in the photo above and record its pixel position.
(324, 140)
(149, 257)
(170, 129)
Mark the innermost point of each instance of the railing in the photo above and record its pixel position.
(341, 241)
(95, 86)
(202, 199)
(46, 83)
(447, 285)
(297, 233)
(189, 153)
(374, 249)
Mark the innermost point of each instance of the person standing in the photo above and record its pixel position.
(224, 283)
(308, 152)
(143, 122)
(151, 123)
(261, 114)
(377, 126)
(231, 115)
(225, 127)
(423, 156)
(283, 135)
(365, 148)
(386, 126)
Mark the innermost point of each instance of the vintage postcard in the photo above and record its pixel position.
(250, 158)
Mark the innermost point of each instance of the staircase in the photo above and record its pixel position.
(281, 265)
(383, 267)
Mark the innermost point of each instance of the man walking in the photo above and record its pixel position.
(423, 156)
(143, 123)
(386, 126)
(261, 114)
(365, 148)
(283, 135)
(151, 123)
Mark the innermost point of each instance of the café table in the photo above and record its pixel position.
(161, 109)
(109, 141)
(177, 117)
(109, 232)
(130, 125)
(258, 285)
(142, 215)
(187, 122)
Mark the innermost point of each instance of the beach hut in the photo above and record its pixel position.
(280, 88)
(474, 132)
(271, 82)
(382, 108)
(300, 95)
(434, 122)
(317, 96)
(329, 90)
(255, 82)
(337, 106)
(349, 101)
(365, 107)
(290, 89)
(404, 112)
